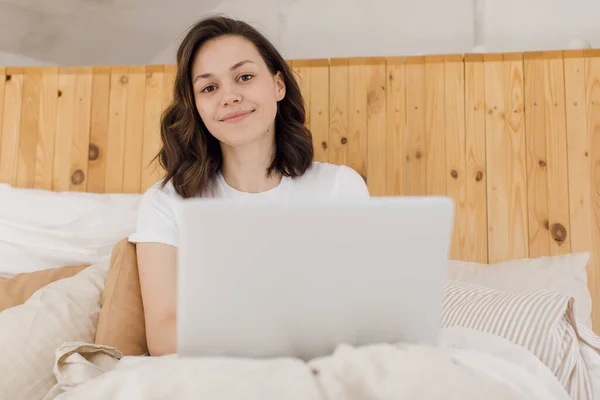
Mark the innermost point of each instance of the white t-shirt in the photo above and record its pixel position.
(157, 212)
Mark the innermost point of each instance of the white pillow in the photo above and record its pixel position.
(40, 229)
(564, 273)
(540, 321)
(30, 334)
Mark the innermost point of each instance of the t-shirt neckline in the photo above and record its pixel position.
(283, 183)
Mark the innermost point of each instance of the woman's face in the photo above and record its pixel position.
(236, 95)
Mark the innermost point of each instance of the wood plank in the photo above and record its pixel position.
(416, 140)
(376, 130)
(154, 106)
(134, 131)
(578, 144)
(435, 127)
(357, 120)
(168, 84)
(65, 111)
(303, 76)
(593, 125)
(537, 171)
(117, 125)
(29, 130)
(11, 121)
(44, 158)
(80, 142)
(319, 111)
(556, 154)
(99, 119)
(506, 161)
(456, 158)
(338, 113)
(476, 237)
(396, 122)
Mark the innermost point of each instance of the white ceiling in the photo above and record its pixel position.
(92, 32)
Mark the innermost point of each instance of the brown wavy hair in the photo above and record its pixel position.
(190, 155)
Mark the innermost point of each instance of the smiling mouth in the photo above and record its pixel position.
(236, 117)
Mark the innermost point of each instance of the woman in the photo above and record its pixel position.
(235, 130)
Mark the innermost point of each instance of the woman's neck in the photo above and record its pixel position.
(245, 168)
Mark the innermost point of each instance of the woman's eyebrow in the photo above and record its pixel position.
(232, 68)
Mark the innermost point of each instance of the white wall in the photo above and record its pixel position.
(513, 25)
(348, 28)
(17, 60)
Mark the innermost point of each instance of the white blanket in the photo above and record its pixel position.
(468, 365)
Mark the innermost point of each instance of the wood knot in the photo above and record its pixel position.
(8, 77)
(542, 163)
(454, 174)
(77, 177)
(59, 94)
(418, 154)
(344, 140)
(547, 224)
(93, 152)
(478, 176)
(324, 145)
(586, 154)
(559, 233)
(124, 79)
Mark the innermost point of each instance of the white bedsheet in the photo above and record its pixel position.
(468, 365)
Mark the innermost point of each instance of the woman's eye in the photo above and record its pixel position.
(208, 89)
(246, 77)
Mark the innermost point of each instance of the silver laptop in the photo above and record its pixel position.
(298, 279)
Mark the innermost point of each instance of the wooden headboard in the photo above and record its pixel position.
(513, 138)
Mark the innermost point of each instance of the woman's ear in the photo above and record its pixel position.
(280, 85)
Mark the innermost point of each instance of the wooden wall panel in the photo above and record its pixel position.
(358, 81)
(318, 110)
(513, 139)
(338, 112)
(376, 144)
(29, 128)
(153, 108)
(80, 140)
(11, 120)
(99, 127)
(456, 156)
(506, 158)
(415, 140)
(46, 140)
(134, 130)
(396, 125)
(435, 125)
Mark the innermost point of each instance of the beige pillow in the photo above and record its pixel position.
(62, 311)
(564, 273)
(17, 289)
(121, 321)
(540, 321)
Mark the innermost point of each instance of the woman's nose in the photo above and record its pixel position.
(230, 98)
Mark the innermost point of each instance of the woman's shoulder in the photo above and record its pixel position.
(339, 179)
(161, 193)
(331, 172)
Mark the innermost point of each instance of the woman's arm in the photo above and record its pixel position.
(157, 265)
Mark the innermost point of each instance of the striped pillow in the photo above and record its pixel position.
(540, 321)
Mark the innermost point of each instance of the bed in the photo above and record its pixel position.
(512, 138)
